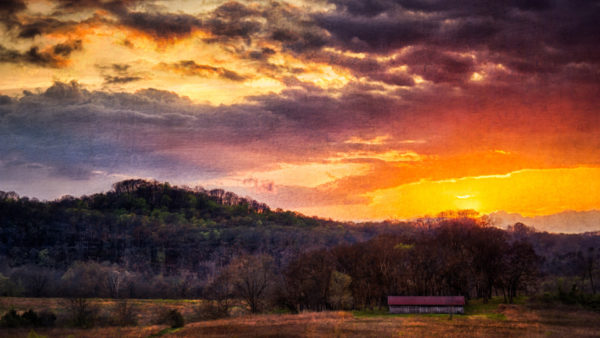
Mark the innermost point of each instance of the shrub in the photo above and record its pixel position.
(175, 319)
(10, 319)
(171, 317)
(47, 319)
(124, 314)
(209, 310)
(81, 312)
(29, 318)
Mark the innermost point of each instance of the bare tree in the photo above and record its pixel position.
(114, 281)
(253, 277)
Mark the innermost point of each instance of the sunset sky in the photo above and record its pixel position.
(349, 109)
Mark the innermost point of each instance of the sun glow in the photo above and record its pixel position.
(528, 192)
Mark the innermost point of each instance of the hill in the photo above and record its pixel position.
(152, 226)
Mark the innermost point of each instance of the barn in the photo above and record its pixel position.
(427, 304)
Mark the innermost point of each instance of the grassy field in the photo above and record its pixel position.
(492, 319)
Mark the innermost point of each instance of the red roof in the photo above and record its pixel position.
(427, 300)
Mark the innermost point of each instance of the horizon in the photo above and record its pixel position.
(337, 109)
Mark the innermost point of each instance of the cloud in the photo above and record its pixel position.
(191, 68)
(266, 186)
(263, 54)
(9, 9)
(120, 68)
(43, 25)
(533, 37)
(120, 79)
(65, 49)
(121, 73)
(115, 6)
(12, 6)
(73, 130)
(55, 56)
(438, 66)
(161, 25)
(4, 99)
(232, 20)
(377, 35)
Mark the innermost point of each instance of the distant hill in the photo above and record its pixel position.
(569, 222)
(153, 226)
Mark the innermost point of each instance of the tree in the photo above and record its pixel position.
(252, 281)
(114, 280)
(340, 295)
(219, 295)
(521, 268)
(85, 279)
(586, 262)
(307, 279)
(35, 279)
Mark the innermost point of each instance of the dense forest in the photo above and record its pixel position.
(146, 239)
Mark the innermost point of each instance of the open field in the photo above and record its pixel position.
(492, 319)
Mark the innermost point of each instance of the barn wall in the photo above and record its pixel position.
(426, 309)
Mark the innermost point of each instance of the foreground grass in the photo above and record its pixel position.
(491, 319)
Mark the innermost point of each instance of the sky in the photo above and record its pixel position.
(345, 109)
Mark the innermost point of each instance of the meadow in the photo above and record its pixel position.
(525, 318)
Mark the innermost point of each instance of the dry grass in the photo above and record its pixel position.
(147, 309)
(497, 320)
(519, 322)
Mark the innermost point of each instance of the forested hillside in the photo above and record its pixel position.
(149, 239)
(151, 226)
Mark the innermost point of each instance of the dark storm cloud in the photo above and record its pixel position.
(367, 67)
(49, 57)
(263, 54)
(273, 21)
(313, 112)
(114, 6)
(161, 25)
(12, 6)
(534, 36)
(438, 66)
(233, 20)
(43, 25)
(8, 11)
(368, 8)
(397, 79)
(379, 35)
(65, 49)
